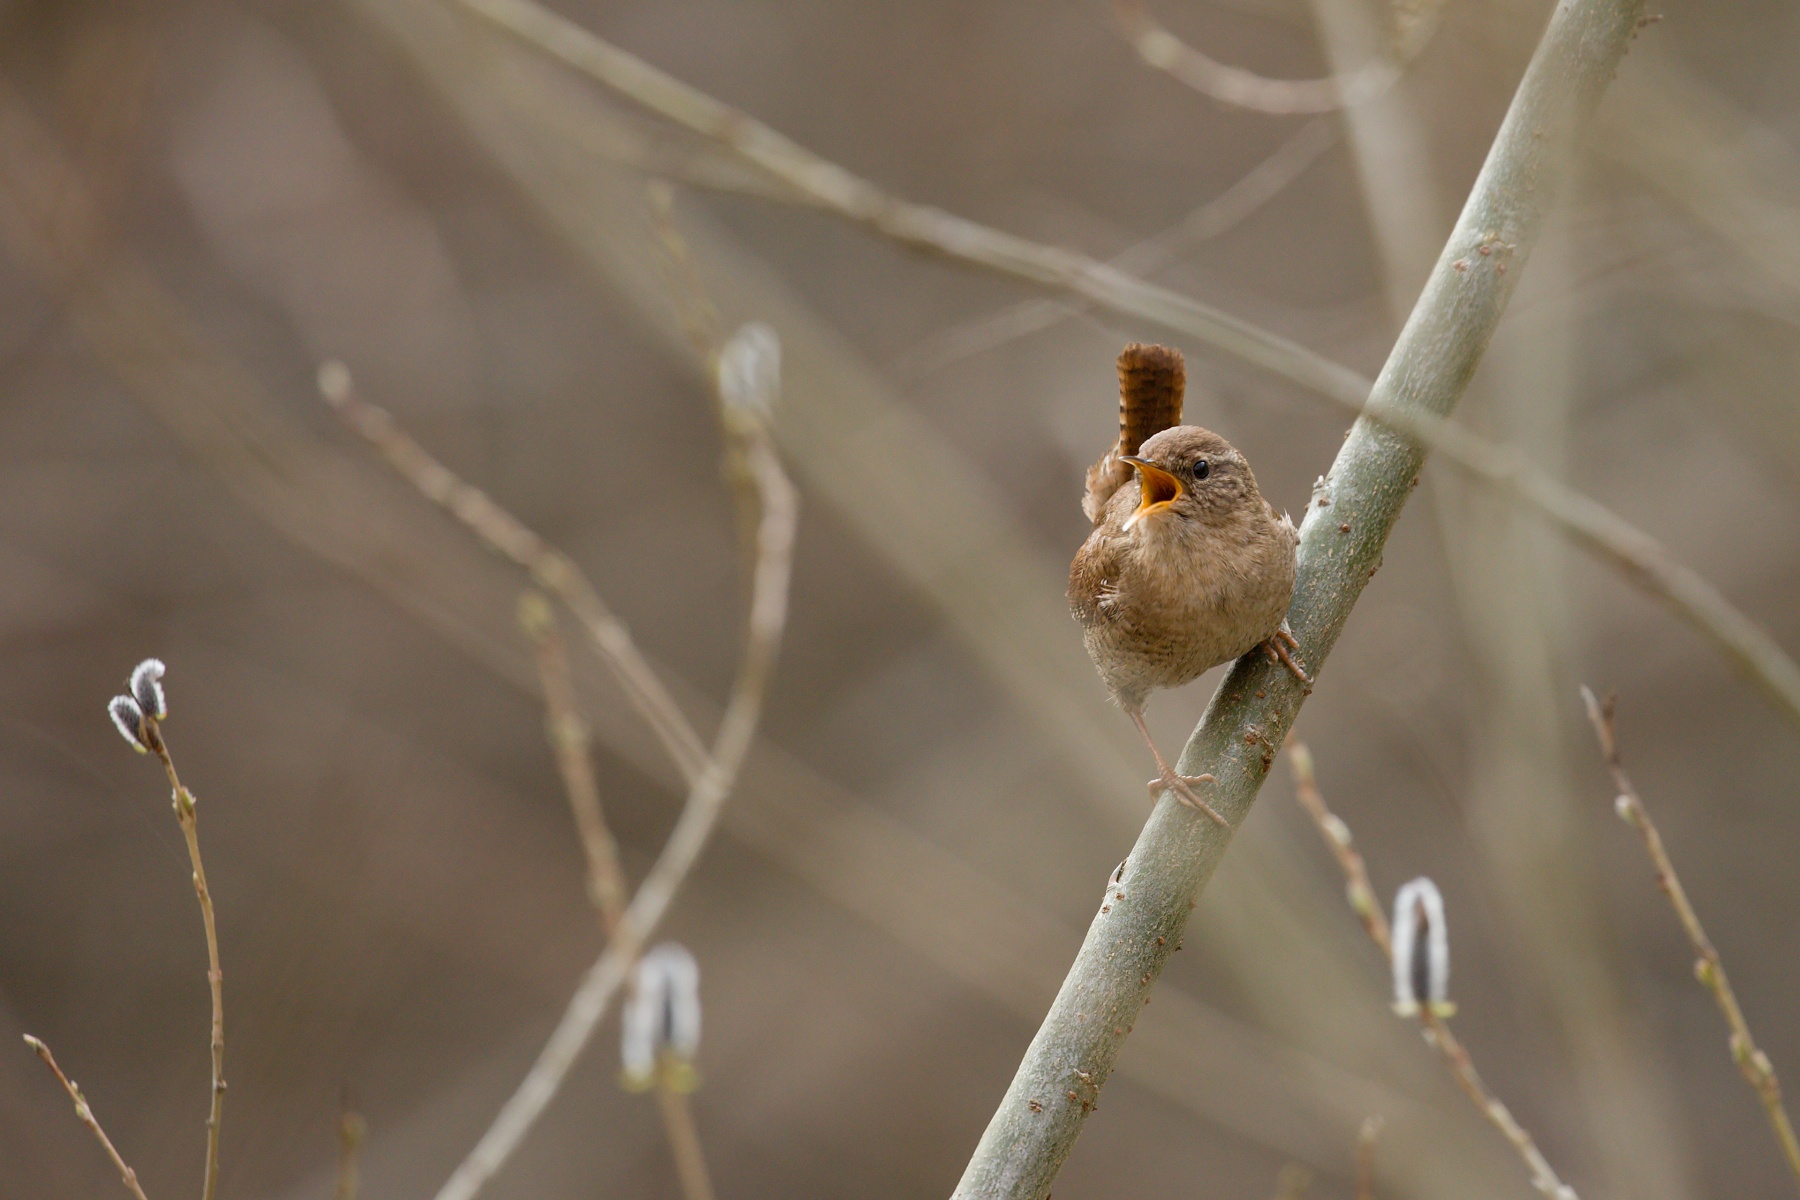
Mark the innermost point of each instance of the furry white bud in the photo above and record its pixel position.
(146, 688)
(660, 1030)
(334, 382)
(129, 718)
(1421, 950)
(750, 370)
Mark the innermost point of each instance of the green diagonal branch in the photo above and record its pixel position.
(1146, 903)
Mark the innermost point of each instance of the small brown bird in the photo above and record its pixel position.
(1188, 566)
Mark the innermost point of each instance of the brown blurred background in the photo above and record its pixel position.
(200, 201)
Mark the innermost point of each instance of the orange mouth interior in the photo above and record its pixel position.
(1157, 490)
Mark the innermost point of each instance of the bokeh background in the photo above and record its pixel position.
(201, 201)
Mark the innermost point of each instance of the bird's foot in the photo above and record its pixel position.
(1185, 787)
(1281, 648)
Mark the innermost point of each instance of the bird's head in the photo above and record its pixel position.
(1189, 474)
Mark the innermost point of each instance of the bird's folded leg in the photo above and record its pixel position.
(1281, 647)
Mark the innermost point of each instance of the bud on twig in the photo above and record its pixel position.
(334, 382)
(146, 688)
(661, 1025)
(1421, 950)
(129, 718)
(750, 371)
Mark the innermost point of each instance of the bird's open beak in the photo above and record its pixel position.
(1158, 488)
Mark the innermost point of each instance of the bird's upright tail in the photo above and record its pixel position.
(1152, 383)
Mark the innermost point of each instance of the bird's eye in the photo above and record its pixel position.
(1202, 468)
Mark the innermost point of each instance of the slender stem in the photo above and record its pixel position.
(698, 315)
(552, 569)
(917, 225)
(1147, 903)
(1758, 1071)
(1462, 1068)
(1292, 1181)
(352, 1132)
(684, 1142)
(1640, 558)
(700, 324)
(1255, 188)
(185, 815)
(1642, 561)
(711, 775)
(1437, 1032)
(1365, 1158)
(570, 739)
(85, 1114)
(737, 731)
(1241, 88)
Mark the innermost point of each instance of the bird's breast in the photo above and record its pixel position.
(1171, 605)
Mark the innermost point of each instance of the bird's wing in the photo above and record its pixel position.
(1094, 579)
(1103, 479)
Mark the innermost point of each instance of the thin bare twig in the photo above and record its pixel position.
(555, 571)
(920, 226)
(86, 1115)
(700, 322)
(352, 1132)
(1365, 1158)
(1436, 1031)
(698, 315)
(684, 1141)
(570, 740)
(1292, 1181)
(1256, 187)
(1758, 1071)
(1590, 525)
(183, 801)
(1640, 558)
(1246, 89)
(706, 799)
(569, 732)
(710, 774)
(767, 616)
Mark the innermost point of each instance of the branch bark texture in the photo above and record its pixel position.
(1145, 908)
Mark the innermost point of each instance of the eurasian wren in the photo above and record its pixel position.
(1188, 566)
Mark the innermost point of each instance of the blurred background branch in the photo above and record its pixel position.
(1432, 1023)
(774, 540)
(1245, 89)
(1509, 590)
(1759, 1073)
(1236, 204)
(352, 1132)
(571, 742)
